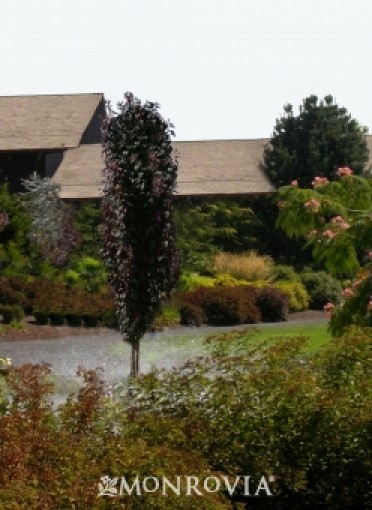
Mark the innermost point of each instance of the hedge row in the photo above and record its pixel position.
(224, 306)
(57, 303)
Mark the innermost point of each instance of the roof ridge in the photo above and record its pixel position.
(53, 95)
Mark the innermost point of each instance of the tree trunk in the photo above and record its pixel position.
(134, 363)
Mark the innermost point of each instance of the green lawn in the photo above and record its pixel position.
(317, 334)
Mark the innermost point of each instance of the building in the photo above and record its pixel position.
(59, 136)
(36, 132)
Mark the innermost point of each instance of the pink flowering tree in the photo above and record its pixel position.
(336, 219)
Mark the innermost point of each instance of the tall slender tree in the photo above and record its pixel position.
(138, 235)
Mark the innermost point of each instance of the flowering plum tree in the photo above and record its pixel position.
(336, 218)
(138, 234)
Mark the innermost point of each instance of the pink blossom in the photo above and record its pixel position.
(313, 204)
(340, 222)
(294, 183)
(328, 308)
(370, 255)
(369, 306)
(319, 181)
(344, 171)
(347, 292)
(344, 225)
(329, 234)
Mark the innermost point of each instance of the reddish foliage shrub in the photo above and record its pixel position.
(232, 305)
(55, 460)
(273, 303)
(53, 297)
(191, 315)
(223, 305)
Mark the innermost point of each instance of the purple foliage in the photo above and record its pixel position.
(138, 234)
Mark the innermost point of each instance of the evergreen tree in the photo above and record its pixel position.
(322, 138)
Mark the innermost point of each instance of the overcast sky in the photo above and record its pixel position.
(221, 69)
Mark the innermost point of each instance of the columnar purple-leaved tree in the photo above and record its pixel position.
(138, 235)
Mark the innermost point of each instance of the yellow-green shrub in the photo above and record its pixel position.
(190, 281)
(247, 266)
(297, 293)
(226, 280)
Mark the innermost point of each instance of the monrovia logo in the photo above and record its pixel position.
(188, 485)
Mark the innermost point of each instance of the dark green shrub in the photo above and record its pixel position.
(273, 304)
(322, 288)
(283, 272)
(191, 315)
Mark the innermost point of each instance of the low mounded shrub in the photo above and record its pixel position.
(226, 280)
(227, 306)
(191, 315)
(322, 288)
(283, 272)
(74, 304)
(273, 304)
(296, 292)
(190, 281)
(221, 305)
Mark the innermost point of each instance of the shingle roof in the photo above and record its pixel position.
(218, 167)
(221, 167)
(45, 121)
